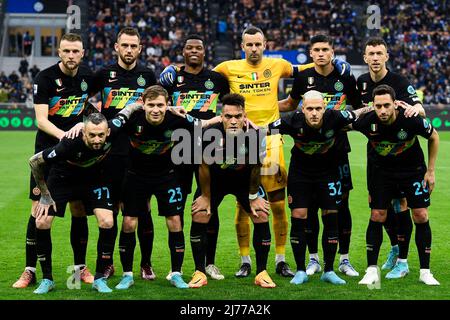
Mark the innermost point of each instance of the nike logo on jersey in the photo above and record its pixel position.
(180, 84)
(59, 89)
(309, 87)
(112, 80)
(241, 76)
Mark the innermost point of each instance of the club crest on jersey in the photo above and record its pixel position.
(83, 85)
(141, 81)
(329, 133)
(58, 82)
(402, 135)
(338, 86)
(112, 74)
(310, 80)
(209, 84)
(180, 79)
(267, 73)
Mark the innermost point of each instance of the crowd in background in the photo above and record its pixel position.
(417, 33)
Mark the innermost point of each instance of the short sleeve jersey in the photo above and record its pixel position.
(65, 97)
(151, 145)
(199, 93)
(258, 84)
(314, 150)
(119, 88)
(396, 146)
(73, 156)
(338, 92)
(403, 88)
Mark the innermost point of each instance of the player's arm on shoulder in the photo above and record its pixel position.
(203, 202)
(130, 109)
(212, 121)
(296, 68)
(37, 163)
(288, 104)
(41, 111)
(411, 110)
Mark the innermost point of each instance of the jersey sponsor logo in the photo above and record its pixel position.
(314, 147)
(120, 98)
(388, 148)
(336, 101)
(411, 90)
(141, 81)
(196, 100)
(254, 85)
(338, 86)
(154, 147)
(267, 73)
(209, 84)
(66, 107)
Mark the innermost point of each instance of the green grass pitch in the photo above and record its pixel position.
(17, 147)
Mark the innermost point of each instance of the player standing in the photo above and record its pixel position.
(60, 94)
(338, 91)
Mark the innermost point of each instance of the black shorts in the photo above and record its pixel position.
(185, 174)
(345, 174)
(385, 185)
(372, 171)
(138, 191)
(219, 189)
(91, 191)
(114, 168)
(305, 192)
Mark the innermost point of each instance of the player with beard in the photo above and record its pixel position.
(376, 56)
(120, 85)
(60, 95)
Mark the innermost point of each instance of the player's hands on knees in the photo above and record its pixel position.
(74, 131)
(168, 75)
(178, 111)
(258, 206)
(429, 181)
(410, 111)
(201, 204)
(41, 210)
(342, 67)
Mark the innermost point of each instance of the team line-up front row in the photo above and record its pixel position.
(76, 168)
(129, 158)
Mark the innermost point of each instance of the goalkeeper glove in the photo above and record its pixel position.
(167, 76)
(342, 67)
